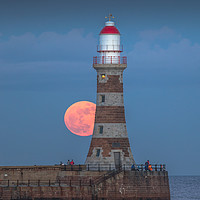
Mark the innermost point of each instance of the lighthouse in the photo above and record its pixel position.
(110, 147)
(102, 177)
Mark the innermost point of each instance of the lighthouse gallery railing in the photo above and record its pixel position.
(109, 60)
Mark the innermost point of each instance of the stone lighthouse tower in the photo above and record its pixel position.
(110, 144)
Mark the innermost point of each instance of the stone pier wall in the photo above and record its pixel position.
(135, 185)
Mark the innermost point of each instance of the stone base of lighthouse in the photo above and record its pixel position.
(108, 153)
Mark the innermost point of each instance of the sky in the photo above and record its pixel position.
(46, 53)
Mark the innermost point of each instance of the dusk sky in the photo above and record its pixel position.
(46, 53)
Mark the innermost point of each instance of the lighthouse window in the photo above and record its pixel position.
(103, 76)
(100, 129)
(116, 144)
(98, 153)
(102, 98)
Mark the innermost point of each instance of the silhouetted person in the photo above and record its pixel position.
(133, 167)
(72, 162)
(150, 167)
(146, 165)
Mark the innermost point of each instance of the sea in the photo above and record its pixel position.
(184, 187)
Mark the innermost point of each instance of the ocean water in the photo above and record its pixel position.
(184, 187)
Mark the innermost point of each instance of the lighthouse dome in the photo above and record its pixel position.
(109, 28)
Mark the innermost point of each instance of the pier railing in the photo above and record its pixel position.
(73, 167)
(137, 167)
(109, 167)
(38, 183)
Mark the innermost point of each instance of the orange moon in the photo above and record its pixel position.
(79, 118)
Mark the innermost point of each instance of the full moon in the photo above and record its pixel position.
(79, 118)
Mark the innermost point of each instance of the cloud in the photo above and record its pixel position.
(163, 33)
(172, 50)
(48, 60)
(49, 46)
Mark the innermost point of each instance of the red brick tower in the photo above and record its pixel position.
(110, 144)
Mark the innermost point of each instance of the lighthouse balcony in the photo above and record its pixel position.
(109, 60)
(109, 48)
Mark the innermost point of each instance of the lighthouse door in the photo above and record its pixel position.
(117, 160)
